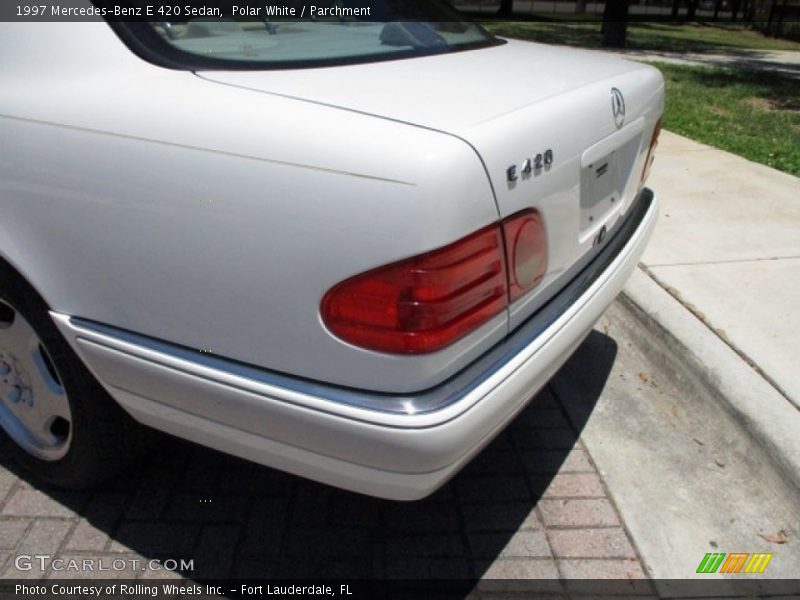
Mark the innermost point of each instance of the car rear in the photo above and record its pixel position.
(359, 277)
(564, 138)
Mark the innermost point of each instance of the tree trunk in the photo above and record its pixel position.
(692, 11)
(750, 10)
(735, 5)
(506, 8)
(580, 7)
(771, 19)
(777, 28)
(717, 6)
(747, 11)
(615, 23)
(676, 7)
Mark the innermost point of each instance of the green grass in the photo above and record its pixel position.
(650, 36)
(753, 114)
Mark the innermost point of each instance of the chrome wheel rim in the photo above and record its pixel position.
(34, 409)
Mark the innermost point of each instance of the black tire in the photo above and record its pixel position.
(104, 438)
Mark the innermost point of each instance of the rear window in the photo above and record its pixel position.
(328, 33)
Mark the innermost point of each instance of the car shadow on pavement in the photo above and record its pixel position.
(234, 518)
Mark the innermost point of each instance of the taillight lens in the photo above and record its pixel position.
(651, 153)
(526, 252)
(424, 303)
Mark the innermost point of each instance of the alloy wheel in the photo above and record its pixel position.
(34, 408)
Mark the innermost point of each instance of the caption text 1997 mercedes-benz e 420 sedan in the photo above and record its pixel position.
(349, 250)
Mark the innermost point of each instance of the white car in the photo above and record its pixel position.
(349, 250)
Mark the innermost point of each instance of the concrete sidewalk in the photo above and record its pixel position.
(727, 247)
(783, 62)
(704, 455)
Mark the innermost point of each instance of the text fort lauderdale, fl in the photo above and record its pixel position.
(277, 10)
(169, 589)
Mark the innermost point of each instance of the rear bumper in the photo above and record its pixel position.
(336, 436)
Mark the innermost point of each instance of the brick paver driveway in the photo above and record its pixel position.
(532, 505)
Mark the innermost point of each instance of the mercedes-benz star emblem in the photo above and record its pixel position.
(618, 107)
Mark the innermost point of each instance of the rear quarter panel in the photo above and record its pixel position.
(215, 218)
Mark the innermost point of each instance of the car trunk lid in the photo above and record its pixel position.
(541, 118)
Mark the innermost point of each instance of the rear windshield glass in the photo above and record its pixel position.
(328, 33)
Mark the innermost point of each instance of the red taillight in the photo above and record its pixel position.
(427, 302)
(526, 252)
(651, 153)
(423, 303)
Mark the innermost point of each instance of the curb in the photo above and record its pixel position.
(694, 350)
